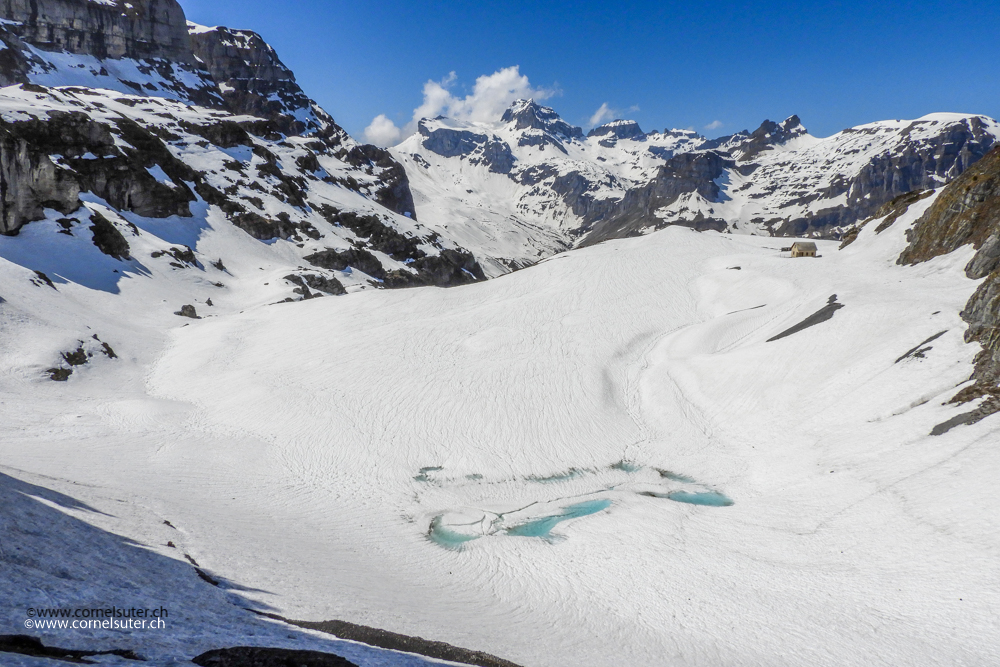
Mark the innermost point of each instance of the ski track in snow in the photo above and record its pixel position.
(302, 451)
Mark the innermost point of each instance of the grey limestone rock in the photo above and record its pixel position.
(618, 129)
(525, 114)
(254, 81)
(477, 148)
(139, 29)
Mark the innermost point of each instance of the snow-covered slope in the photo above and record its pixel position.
(504, 465)
(530, 184)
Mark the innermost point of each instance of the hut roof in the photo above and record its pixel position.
(804, 245)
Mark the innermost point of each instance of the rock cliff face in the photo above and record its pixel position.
(110, 160)
(109, 29)
(817, 188)
(968, 212)
(526, 114)
(133, 47)
(30, 182)
(253, 80)
(477, 148)
(687, 174)
(611, 132)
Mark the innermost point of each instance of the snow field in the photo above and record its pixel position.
(304, 449)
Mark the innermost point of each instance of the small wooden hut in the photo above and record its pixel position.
(803, 249)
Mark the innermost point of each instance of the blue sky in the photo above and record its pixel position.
(720, 65)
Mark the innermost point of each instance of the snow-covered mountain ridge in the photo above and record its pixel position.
(196, 124)
(531, 184)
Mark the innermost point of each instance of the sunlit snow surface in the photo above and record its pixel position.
(305, 451)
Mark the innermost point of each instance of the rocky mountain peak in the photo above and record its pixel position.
(768, 135)
(528, 115)
(619, 129)
(253, 80)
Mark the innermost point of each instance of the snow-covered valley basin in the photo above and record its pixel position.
(307, 451)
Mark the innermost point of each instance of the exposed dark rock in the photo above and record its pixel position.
(477, 148)
(254, 81)
(618, 129)
(916, 166)
(59, 374)
(77, 357)
(897, 207)
(185, 255)
(968, 212)
(14, 61)
(261, 228)
(526, 114)
(540, 138)
(340, 260)
(682, 174)
(316, 282)
(378, 235)
(106, 349)
(767, 136)
(139, 29)
(107, 238)
(397, 642)
(394, 189)
(29, 181)
(188, 311)
(151, 32)
(449, 269)
(45, 279)
(913, 166)
(256, 656)
(225, 133)
(891, 211)
(26, 645)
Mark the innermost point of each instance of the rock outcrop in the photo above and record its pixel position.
(477, 148)
(30, 182)
(528, 114)
(138, 46)
(256, 656)
(968, 212)
(89, 160)
(254, 81)
(611, 132)
(137, 29)
(695, 173)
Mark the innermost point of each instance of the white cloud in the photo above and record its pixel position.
(714, 125)
(605, 113)
(490, 97)
(383, 132)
